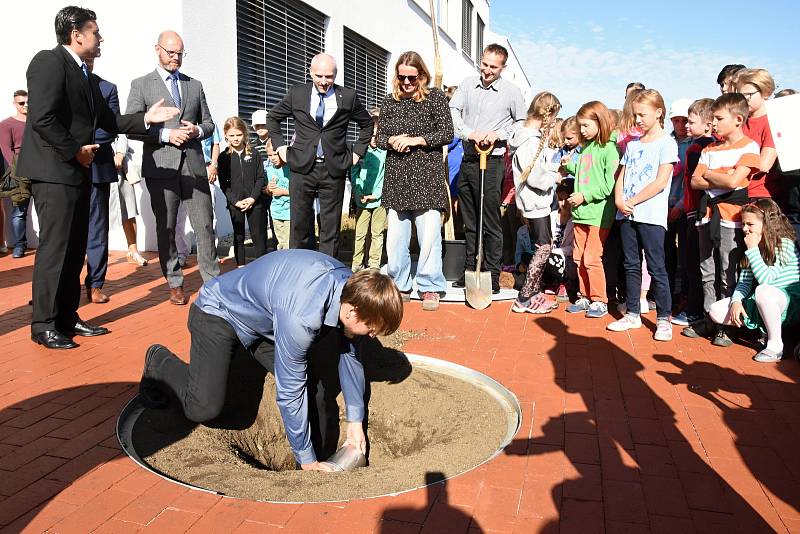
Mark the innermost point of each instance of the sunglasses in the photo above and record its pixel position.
(411, 79)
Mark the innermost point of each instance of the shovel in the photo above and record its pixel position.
(478, 285)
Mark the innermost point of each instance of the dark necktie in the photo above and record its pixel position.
(320, 118)
(85, 71)
(176, 94)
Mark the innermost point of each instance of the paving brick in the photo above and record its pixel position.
(15, 481)
(22, 455)
(28, 498)
(171, 520)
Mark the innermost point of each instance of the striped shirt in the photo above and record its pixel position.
(723, 158)
(784, 273)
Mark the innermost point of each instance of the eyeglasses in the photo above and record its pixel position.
(174, 53)
(23, 103)
(749, 95)
(411, 79)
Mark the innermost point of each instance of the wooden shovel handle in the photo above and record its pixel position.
(484, 154)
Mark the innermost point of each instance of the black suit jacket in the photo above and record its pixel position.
(301, 155)
(61, 119)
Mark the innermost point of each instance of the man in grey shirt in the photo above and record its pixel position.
(485, 109)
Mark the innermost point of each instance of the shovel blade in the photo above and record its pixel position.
(478, 287)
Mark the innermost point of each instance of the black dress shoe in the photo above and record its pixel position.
(87, 330)
(53, 339)
(150, 393)
(460, 282)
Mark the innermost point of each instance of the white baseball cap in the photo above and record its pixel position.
(680, 108)
(259, 117)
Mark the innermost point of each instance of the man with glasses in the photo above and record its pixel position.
(485, 109)
(173, 164)
(319, 158)
(11, 132)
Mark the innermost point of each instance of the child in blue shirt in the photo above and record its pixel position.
(641, 195)
(277, 175)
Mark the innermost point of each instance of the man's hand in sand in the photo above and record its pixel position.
(317, 466)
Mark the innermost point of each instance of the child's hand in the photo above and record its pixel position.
(737, 313)
(576, 199)
(266, 190)
(364, 199)
(752, 239)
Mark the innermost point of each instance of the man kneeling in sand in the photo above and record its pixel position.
(299, 313)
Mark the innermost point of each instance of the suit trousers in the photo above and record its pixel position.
(201, 385)
(97, 246)
(303, 188)
(257, 221)
(63, 212)
(469, 198)
(165, 198)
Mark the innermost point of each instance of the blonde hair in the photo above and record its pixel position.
(556, 140)
(412, 59)
(652, 98)
(570, 124)
(626, 120)
(237, 123)
(761, 79)
(702, 108)
(544, 106)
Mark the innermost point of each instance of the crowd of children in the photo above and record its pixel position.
(701, 241)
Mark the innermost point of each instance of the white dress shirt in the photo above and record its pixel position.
(330, 104)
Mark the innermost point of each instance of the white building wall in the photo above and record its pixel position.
(209, 32)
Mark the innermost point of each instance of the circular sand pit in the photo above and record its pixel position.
(428, 420)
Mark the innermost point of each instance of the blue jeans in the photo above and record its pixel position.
(636, 237)
(429, 234)
(19, 222)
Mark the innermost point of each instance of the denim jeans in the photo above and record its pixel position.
(636, 237)
(19, 222)
(429, 234)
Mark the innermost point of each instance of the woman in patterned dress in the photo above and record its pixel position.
(415, 123)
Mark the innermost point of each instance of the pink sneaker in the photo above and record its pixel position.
(430, 301)
(561, 295)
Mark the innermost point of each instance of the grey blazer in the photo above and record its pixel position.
(162, 160)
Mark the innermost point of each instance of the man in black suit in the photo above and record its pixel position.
(319, 158)
(65, 108)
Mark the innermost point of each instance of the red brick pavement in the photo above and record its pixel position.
(620, 433)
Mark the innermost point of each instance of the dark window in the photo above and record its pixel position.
(466, 27)
(479, 39)
(275, 41)
(364, 71)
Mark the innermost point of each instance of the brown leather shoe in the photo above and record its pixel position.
(176, 296)
(95, 295)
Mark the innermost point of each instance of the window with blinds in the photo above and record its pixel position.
(466, 27)
(275, 41)
(479, 39)
(364, 71)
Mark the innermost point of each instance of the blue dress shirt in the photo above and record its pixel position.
(287, 296)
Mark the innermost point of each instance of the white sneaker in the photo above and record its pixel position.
(663, 330)
(627, 322)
